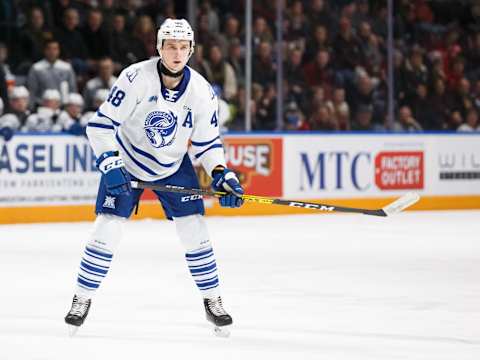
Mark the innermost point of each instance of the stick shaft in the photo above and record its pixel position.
(259, 199)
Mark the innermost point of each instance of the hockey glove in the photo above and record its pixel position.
(225, 180)
(116, 177)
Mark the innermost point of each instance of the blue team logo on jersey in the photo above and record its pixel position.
(161, 128)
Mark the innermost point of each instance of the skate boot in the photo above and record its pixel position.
(217, 315)
(77, 314)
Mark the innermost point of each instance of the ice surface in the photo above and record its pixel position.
(330, 287)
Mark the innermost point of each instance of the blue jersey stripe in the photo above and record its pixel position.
(204, 143)
(210, 148)
(102, 126)
(191, 256)
(138, 163)
(151, 157)
(100, 114)
(96, 252)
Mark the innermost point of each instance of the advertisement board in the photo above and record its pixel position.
(371, 165)
(47, 170)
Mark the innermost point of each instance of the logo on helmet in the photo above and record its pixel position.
(160, 128)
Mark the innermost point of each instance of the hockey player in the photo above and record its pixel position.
(142, 131)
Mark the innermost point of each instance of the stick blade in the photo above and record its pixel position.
(401, 203)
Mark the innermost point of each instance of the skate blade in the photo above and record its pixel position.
(72, 330)
(222, 331)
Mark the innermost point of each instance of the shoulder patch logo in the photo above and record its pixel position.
(153, 98)
(161, 128)
(132, 74)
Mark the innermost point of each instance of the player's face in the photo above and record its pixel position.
(175, 54)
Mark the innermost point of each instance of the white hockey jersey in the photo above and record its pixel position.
(151, 126)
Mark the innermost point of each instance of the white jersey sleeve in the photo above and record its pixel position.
(122, 100)
(206, 142)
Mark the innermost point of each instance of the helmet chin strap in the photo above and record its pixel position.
(167, 72)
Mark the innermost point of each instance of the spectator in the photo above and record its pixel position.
(9, 123)
(45, 118)
(211, 16)
(18, 100)
(323, 120)
(298, 23)
(406, 122)
(363, 93)
(230, 35)
(454, 121)
(104, 80)
(8, 76)
(237, 62)
(31, 40)
(439, 106)
(294, 74)
(126, 49)
(96, 36)
(144, 30)
(221, 73)
(363, 118)
(462, 100)
(60, 7)
(319, 72)
(421, 107)
(320, 14)
(203, 35)
(294, 118)
(456, 74)
(471, 122)
(319, 41)
(362, 13)
(107, 7)
(199, 62)
(50, 73)
(261, 33)
(415, 71)
(264, 70)
(71, 40)
(369, 46)
(69, 119)
(339, 109)
(265, 110)
(346, 47)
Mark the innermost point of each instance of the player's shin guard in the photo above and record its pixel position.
(98, 254)
(203, 268)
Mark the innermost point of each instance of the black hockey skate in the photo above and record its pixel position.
(77, 314)
(217, 315)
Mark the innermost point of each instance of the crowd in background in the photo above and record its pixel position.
(58, 58)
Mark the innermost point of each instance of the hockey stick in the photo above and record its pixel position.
(394, 207)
